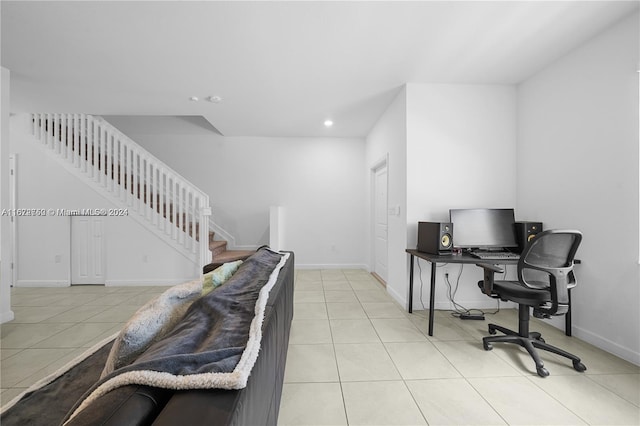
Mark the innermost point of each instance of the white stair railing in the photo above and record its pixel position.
(135, 178)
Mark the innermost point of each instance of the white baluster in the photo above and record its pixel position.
(82, 148)
(130, 187)
(155, 192)
(194, 223)
(54, 133)
(65, 137)
(121, 191)
(103, 156)
(138, 179)
(74, 135)
(94, 150)
(42, 134)
(147, 182)
(180, 212)
(112, 162)
(176, 207)
(161, 197)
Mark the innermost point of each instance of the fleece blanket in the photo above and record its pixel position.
(216, 343)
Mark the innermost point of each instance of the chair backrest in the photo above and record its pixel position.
(547, 262)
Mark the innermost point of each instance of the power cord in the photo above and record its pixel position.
(451, 293)
(461, 311)
(422, 283)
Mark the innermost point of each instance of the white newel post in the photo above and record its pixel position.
(205, 213)
(275, 228)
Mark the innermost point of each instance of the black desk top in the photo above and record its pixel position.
(459, 258)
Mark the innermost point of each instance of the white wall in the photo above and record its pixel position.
(6, 314)
(318, 183)
(578, 168)
(387, 139)
(460, 154)
(134, 255)
(448, 146)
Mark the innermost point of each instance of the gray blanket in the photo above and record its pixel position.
(215, 345)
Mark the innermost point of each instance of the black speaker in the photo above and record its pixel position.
(525, 232)
(435, 237)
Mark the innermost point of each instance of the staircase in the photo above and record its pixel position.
(153, 194)
(220, 254)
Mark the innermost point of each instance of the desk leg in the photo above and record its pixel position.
(411, 283)
(432, 294)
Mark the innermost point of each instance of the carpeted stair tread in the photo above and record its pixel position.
(232, 255)
(217, 247)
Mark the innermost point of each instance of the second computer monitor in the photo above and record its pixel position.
(483, 228)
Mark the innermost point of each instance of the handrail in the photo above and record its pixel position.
(137, 179)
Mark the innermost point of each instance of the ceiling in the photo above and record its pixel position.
(281, 68)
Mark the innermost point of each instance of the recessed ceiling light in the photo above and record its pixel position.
(194, 99)
(215, 99)
(328, 123)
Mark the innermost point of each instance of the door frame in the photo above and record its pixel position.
(13, 229)
(381, 162)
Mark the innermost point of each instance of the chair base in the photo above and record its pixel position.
(530, 341)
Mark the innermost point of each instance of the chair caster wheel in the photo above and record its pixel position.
(487, 346)
(540, 339)
(492, 330)
(542, 372)
(578, 366)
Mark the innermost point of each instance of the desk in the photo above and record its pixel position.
(434, 259)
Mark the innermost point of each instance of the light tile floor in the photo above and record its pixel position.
(52, 326)
(355, 357)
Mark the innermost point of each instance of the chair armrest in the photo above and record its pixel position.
(489, 271)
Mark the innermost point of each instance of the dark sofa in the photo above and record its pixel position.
(256, 404)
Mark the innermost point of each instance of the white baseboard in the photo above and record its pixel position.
(108, 283)
(148, 282)
(332, 266)
(607, 345)
(401, 299)
(42, 283)
(6, 317)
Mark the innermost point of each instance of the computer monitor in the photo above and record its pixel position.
(483, 228)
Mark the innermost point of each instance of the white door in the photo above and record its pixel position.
(380, 222)
(87, 250)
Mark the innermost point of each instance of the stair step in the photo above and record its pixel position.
(217, 247)
(232, 255)
(227, 256)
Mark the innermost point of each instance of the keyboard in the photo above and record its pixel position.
(502, 255)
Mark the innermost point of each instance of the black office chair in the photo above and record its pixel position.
(545, 275)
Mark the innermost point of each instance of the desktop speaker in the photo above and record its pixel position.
(525, 232)
(435, 237)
